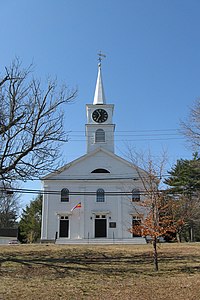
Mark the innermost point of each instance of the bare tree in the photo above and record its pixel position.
(186, 213)
(191, 128)
(9, 206)
(31, 123)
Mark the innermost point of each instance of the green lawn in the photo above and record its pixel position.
(99, 272)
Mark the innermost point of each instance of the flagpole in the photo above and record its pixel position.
(79, 217)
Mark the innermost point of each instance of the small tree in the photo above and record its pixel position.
(31, 124)
(158, 220)
(30, 223)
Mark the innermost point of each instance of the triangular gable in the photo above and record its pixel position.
(88, 160)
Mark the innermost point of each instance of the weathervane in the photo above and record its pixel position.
(101, 56)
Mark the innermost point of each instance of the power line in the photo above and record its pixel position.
(142, 130)
(132, 140)
(155, 134)
(56, 192)
(134, 135)
(85, 193)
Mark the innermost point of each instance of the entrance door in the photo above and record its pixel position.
(100, 228)
(64, 228)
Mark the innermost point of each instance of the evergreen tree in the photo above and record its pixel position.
(184, 183)
(30, 223)
(185, 176)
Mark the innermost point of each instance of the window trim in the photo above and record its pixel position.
(64, 193)
(100, 171)
(100, 195)
(135, 195)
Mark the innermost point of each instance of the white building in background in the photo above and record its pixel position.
(95, 197)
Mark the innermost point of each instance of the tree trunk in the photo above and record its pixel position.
(155, 254)
(191, 233)
(178, 237)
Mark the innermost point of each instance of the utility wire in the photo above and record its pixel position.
(132, 140)
(149, 133)
(87, 193)
(142, 130)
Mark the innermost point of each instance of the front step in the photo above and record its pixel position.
(100, 241)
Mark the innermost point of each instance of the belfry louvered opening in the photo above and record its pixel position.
(99, 136)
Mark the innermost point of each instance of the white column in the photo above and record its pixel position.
(44, 226)
(82, 215)
(119, 217)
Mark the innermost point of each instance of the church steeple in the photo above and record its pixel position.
(99, 127)
(99, 95)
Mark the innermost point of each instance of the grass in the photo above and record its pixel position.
(99, 272)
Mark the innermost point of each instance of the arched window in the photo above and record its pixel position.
(100, 136)
(135, 195)
(64, 195)
(100, 195)
(100, 171)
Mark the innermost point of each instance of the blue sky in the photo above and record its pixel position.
(151, 72)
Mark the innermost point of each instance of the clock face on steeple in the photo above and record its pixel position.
(100, 115)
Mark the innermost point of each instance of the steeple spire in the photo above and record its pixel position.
(99, 96)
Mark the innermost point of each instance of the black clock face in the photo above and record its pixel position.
(100, 115)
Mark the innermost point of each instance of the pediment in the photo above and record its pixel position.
(84, 167)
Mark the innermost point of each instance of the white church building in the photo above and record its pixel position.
(95, 198)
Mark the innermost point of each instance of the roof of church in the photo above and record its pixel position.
(99, 95)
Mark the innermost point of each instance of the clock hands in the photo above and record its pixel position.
(99, 115)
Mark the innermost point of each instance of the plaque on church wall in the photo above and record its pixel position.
(112, 225)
